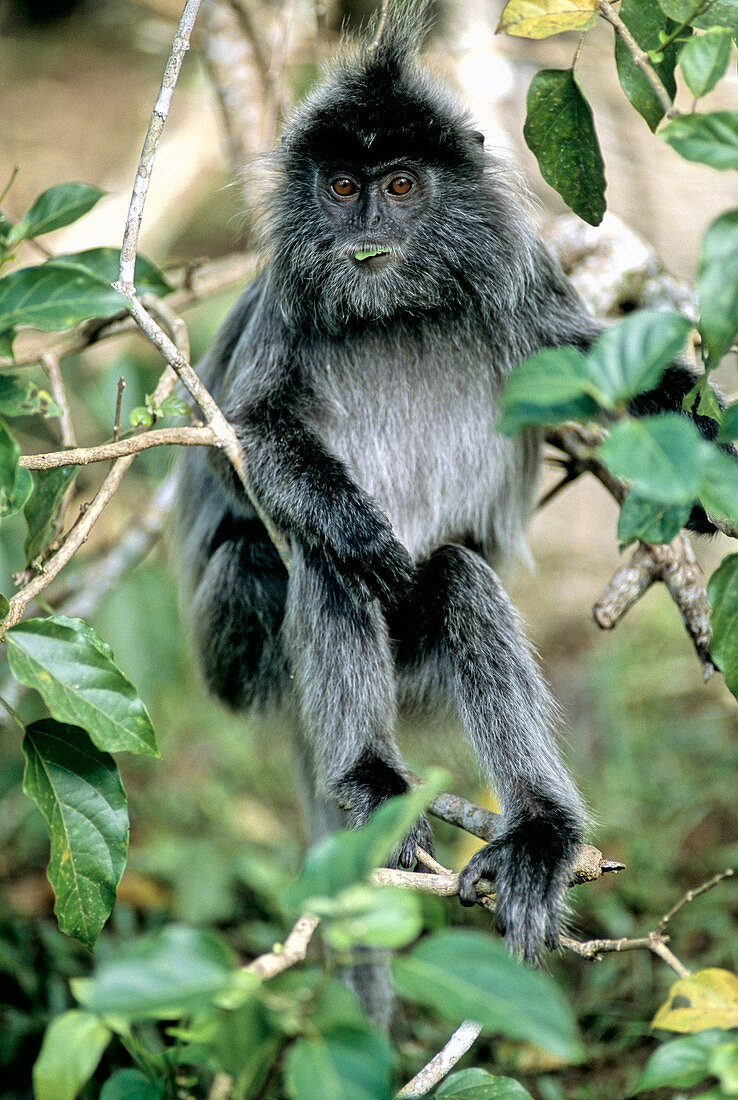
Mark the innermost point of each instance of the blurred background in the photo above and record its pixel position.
(653, 749)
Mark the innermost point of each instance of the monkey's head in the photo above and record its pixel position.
(385, 203)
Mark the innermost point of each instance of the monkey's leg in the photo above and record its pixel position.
(339, 656)
(237, 608)
(464, 624)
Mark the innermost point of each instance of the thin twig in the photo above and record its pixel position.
(640, 57)
(691, 895)
(657, 945)
(80, 532)
(292, 951)
(50, 364)
(132, 445)
(118, 402)
(381, 25)
(148, 153)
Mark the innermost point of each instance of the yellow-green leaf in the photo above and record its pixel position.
(541, 18)
(703, 1000)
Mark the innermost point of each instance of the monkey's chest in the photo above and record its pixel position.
(422, 444)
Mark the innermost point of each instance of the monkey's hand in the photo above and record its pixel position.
(364, 550)
(530, 863)
(310, 494)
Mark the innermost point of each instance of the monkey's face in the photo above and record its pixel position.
(373, 212)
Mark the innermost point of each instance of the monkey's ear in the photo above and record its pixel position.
(478, 136)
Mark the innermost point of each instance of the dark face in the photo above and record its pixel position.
(373, 212)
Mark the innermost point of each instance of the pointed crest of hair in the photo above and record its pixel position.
(379, 105)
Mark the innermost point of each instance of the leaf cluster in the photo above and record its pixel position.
(654, 39)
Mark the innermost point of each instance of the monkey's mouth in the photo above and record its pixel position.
(372, 257)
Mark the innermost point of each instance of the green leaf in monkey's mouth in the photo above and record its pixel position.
(368, 253)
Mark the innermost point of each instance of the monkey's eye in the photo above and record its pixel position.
(344, 187)
(400, 185)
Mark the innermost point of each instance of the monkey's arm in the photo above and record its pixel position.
(309, 494)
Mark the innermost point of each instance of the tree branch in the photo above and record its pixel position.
(640, 58)
(146, 163)
(155, 437)
(674, 563)
(443, 1062)
(292, 951)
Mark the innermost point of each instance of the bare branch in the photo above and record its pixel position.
(293, 950)
(640, 58)
(156, 437)
(691, 895)
(50, 363)
(76, 537)
(384, 11)
(675, 564)
(443, 1062)
(148, 154)
(118, 402)
(653, 942)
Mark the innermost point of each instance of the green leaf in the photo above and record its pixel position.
(58, 206)
(724, 1066)
(78, 790)
(69, 289)
(42, 505)
(16, 483)
(477, 1084)
(372, 916)
(712, 13)
(719, 490)
(710, 139)
(729, 426)
(717, 285)
(630, 357)
(681, 1063)
(173, 406)
(659, 455)
(650, 521)
(167, 973)
(550, 387)
(244, 1045)
(346, 1064)
(6, 343)
(21, 397)
(131, 1084)
(346, 857)
(73, 670)
(645, 20)
(722, 594)
(4, 606)
(73, 1045)
(560, 132)
(104, 263)
(704, 60)
(463, 974)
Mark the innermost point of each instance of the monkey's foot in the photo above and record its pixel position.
(421, 835)
(530, 864)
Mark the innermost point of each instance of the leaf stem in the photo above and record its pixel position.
(13, 714)
(640, 57)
